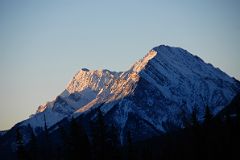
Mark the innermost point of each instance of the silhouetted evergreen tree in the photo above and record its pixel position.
(196, 135)
(237, 132)
(229, 130)
(207, 135)
(207, 115)
(20, 150)
(84, 144)
(99, 136)
(79, 143)
(130, 151)
(33, 150)
(228, 122)
(113, 143)
(45, 128)
(238, 118)
(194, 119)
(184, 119)
(48, 153)
(65, 143)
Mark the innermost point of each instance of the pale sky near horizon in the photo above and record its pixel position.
(44, 43)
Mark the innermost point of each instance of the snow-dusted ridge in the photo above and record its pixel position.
(154, 92)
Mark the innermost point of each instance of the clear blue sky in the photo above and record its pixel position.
(43, 43)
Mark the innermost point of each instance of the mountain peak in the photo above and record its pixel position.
(162, 48)
(173, 52)
(164, 79)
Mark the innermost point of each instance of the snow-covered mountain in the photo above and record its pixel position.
(148, 99)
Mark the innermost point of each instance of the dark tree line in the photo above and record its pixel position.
(213, 138)
(105, 142)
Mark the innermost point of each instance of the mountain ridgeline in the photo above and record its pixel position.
(167, 99)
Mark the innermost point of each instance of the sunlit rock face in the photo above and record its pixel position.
(148, 99)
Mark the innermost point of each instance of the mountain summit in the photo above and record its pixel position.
(152, 97)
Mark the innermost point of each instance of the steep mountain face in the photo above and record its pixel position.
(154, 96)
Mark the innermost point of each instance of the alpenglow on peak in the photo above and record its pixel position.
(155, 92)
